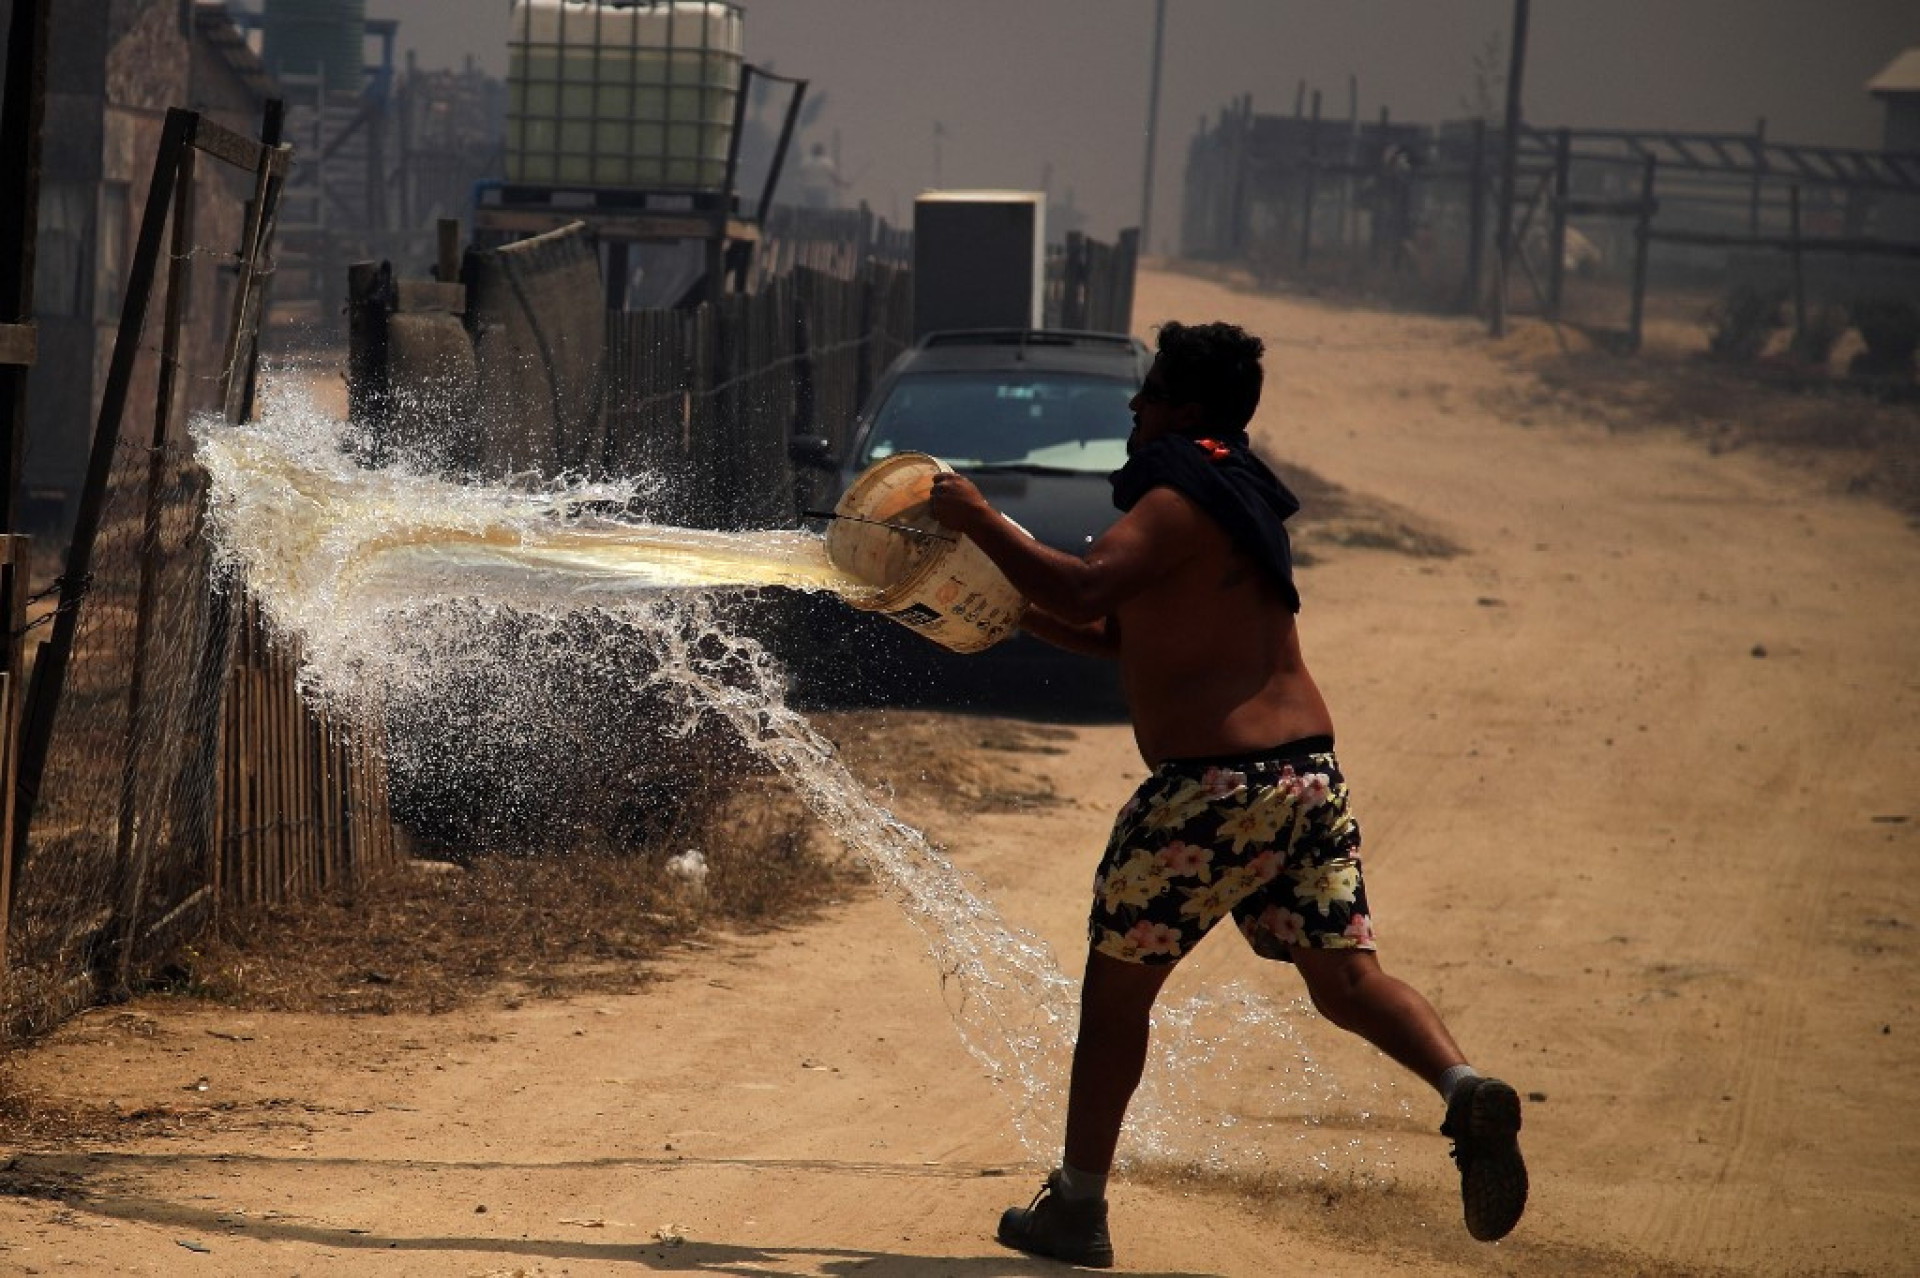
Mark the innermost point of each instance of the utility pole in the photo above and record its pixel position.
(1509, 161)
(1153, 126)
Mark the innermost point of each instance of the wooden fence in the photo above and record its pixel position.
(300, 802)
(709, 400)
(837, 242)
(1090, 284)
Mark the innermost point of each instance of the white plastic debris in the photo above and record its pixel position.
(690, 867)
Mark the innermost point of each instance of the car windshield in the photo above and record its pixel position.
(1015, 419)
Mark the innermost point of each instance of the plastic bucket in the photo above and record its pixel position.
(942, 585)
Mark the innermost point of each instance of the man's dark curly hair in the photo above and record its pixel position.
(1216, 366)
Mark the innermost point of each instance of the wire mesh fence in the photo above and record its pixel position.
(184, 772)
(97, 850)
(168, 764)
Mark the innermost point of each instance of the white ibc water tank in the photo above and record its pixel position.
(634, 96)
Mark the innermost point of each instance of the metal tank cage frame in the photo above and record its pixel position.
(508, 209)
(538, 101)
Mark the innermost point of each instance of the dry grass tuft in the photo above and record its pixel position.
(433, 936)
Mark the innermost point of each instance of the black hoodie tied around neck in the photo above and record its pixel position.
(1225, 479)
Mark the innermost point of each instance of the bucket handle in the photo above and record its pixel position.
(880, 523)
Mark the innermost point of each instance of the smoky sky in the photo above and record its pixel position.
(1053, 93)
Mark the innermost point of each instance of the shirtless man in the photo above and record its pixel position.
(1245, 812)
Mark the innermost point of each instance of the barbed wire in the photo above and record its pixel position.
(198, 251)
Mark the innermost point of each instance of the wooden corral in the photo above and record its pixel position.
(1412, 211)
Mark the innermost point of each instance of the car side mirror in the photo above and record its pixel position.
(815, 451)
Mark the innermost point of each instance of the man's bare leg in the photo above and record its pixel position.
(1116, 1001)
(1068, 1219)
(1483, 1114)
(1350, 989)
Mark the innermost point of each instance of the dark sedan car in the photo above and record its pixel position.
(1039, 420)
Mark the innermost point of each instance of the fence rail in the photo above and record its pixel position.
(1749, 156)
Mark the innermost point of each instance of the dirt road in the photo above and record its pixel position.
(1640, 775)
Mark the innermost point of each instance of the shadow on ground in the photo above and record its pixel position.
(106, 1185)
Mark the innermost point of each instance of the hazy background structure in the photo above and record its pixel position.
(1054, 95)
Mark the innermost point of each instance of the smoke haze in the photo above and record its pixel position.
(1027, 93)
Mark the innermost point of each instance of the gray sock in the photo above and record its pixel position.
(1452, 1079)
(1078, 1186)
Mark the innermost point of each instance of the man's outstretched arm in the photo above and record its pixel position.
(1148, 542)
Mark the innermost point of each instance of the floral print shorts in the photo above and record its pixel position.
(1267, 838)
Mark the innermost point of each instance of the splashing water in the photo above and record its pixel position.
(380, 576)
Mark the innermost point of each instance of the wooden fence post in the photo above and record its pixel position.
(447, 256)
(1798, 265)
(130, 862)
(1127, 266)
(22, 112)
(1382, 190)
(15, 564)
(369, 361)
(1073, 282)
(1509, 166)
(249, 299)
(863, 371)
(805, 375)
(1476, 218)
(1349, 232)
(1242, 146)
(1306, 189)
(1642, 246)
(23, 100)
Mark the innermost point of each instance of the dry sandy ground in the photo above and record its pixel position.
(1640, 773)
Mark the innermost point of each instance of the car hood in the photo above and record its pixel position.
(1065, 512)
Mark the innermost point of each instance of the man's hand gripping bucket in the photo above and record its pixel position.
(940, 584)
